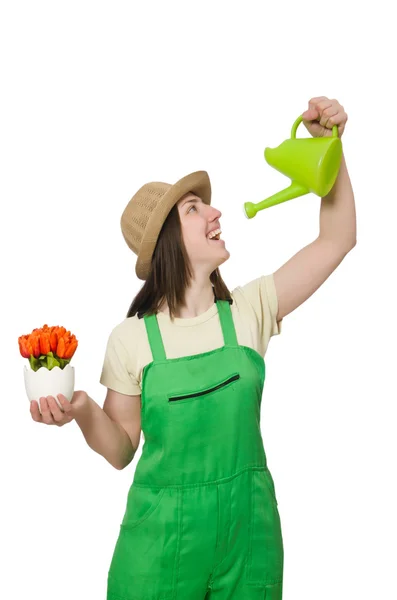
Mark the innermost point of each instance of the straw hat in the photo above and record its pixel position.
(144, 215)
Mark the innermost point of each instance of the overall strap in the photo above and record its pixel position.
(156, 341)
(227, 323)
(154, 335)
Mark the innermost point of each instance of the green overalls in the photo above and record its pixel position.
(201, 520)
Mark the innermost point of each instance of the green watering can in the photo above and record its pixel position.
(312, 164)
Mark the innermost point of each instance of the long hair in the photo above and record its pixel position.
(171, 273)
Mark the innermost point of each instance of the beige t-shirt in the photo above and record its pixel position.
(254, 311)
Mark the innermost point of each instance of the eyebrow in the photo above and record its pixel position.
(191, 200)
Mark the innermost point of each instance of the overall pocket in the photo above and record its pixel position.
(145, 555)
(141, 503)
(265, 559)
(199, 393)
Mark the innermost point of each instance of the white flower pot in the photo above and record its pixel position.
(49, 383)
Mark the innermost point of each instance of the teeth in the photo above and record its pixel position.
(214, 233)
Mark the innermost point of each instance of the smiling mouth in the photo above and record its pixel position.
(215, 235)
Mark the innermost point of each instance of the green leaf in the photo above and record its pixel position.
(34, 363)
(64, 362)
(52, 362)
(48, 361)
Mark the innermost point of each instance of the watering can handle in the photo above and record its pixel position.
(299, 121)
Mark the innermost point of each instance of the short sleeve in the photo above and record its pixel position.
(261, 294)
(268, 289)
(116, 373)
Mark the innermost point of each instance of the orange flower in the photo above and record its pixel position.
(46, 339)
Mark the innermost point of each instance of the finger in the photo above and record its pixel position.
(66, 405)
(320, 104)
(311, 114)
(316, 108)
(34, 411)
(314, 102)
(45, 412)
(54, 408)
(325, 120)
(340, 121)
(317, 99)
(337, 119)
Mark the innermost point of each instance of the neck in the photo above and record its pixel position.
(199, 297)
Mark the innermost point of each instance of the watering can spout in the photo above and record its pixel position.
(312, 164)
(293, 191)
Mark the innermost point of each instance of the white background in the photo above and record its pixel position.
(99, 98)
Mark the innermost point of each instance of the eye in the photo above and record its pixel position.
(193, 206)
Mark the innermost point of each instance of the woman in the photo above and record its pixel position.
(186, 368)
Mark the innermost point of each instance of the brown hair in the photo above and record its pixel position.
(171, 273)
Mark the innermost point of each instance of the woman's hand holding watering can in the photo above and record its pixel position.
(311, 164)
(322, 115)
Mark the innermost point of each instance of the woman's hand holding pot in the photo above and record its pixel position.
(51, 414)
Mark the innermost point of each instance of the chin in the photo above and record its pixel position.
(220, 261)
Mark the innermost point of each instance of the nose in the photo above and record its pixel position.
(215, 214)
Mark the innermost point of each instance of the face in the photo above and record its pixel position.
(197, 220)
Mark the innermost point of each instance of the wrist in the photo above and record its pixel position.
(81, 405)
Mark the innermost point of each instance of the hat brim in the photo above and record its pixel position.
(198, 183)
